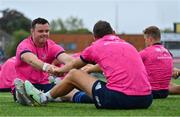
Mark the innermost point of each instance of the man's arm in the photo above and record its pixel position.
(75, 63)
(36, 63)
(65, 58)
(176, 73)
(89, 68)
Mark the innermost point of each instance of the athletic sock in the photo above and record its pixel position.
(44, 99)
(81, 97)
(48, 95)
(51, 99)
(58, 99)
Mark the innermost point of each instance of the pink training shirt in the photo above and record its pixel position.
(7, 73)
(159, 66)
(121, 64)
(46, 54)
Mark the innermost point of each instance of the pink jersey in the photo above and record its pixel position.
(121, 64)
(46, 54)
(7, 73)
(159, 65)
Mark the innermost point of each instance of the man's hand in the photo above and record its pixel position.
(176, 73)
(54, 70)
(87, 68)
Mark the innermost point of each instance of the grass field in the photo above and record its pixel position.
(159, 107)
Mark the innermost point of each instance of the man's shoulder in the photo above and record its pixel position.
(50, 41)
(27, 39)
(52, 44)
(145, 51)
(25, 42)
(149, 48)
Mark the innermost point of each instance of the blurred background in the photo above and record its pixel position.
(72, 22)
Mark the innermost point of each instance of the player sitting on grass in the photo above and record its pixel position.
(127, 84)
(159, 64)
(34, 56)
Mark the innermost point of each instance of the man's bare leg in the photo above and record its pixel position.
(74, 79)
(174, 88)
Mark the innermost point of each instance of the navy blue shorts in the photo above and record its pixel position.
(159, 94)
(5, 89)
(110, 99)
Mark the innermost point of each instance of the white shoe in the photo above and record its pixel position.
(35, 94)
(21, 94)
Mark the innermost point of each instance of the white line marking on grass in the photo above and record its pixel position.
(174, 96)
(5, 96)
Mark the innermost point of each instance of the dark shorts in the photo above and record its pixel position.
(42, 87)
(159, 94)
(5, 89)
(110, 99)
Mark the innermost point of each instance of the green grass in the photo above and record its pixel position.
(159, 107)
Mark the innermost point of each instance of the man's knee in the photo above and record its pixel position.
(73, 72)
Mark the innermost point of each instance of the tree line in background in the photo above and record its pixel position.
(72, 25)
(18, 26)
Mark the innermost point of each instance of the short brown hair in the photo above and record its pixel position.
(153, 32)
(102, 28)
(38, 21)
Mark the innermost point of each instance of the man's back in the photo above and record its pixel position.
(159, 65)
(7, 73)
(121, 65)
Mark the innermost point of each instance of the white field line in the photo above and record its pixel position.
(5, 96)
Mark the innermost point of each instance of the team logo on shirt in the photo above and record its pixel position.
(44, 56)
(158, 49)
(164, 53)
